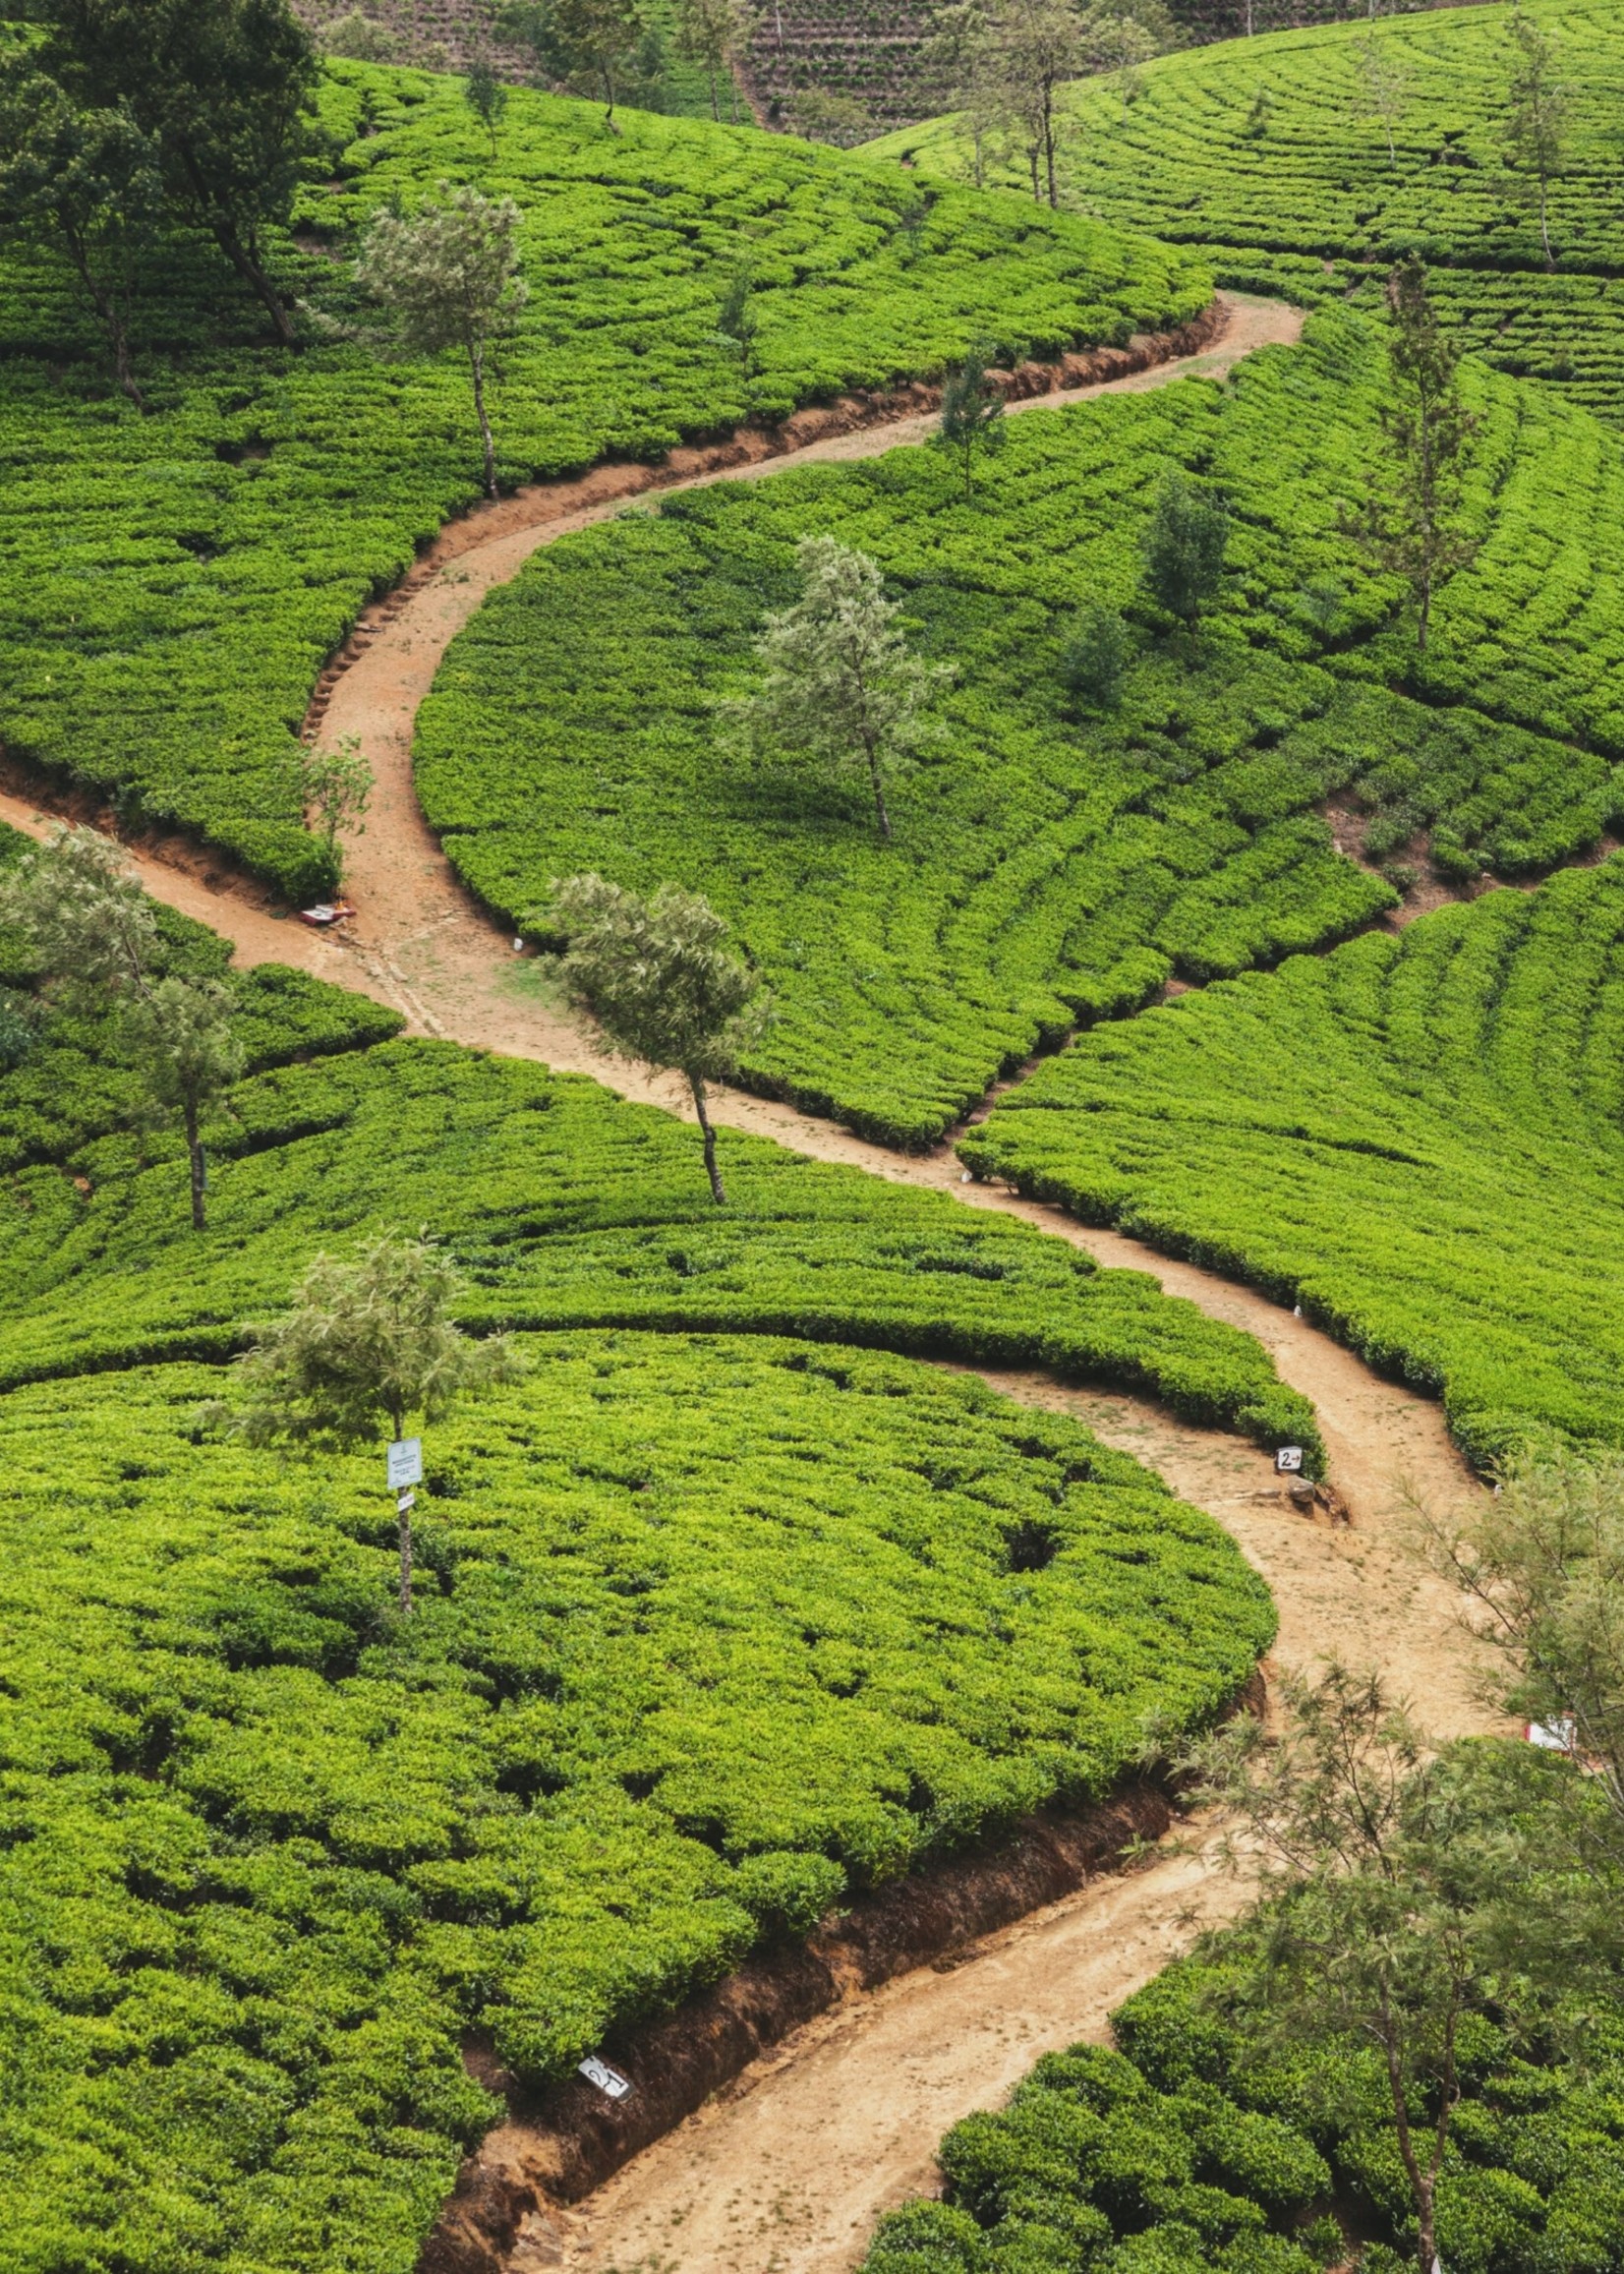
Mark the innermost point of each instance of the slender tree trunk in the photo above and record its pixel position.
(1048, 149)
(879, 794)
(609, 93)
(476, 363)
(711, 1170)
(716, 108)
(111, 321)
(1421, 2182)
(195, 1154)
(1034, 154)
(1544, 232)
(223, 229)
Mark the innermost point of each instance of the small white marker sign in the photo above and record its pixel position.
(405, 1462)
(405, 1502)
(1287, 1460)
(608, 2080)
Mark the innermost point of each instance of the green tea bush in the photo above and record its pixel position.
(173, 584)
(1270, 155)
(1193, 2144)
(1417, 1138)
(1055, 859)
(709, 1631)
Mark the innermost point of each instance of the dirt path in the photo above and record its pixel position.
(786, 2173)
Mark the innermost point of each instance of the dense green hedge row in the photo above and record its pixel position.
(1048, 863)
(1196, 2147)
(172, 584)
(712, 1630)
(1265, 153)
(1417, 1138)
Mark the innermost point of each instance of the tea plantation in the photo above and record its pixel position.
(730, 1606)
(1200, 2141)
(170, 586)
(1049, 862)
(1417, 1138)
(1271, 155)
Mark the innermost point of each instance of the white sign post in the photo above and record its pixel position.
(1287, 1461)
(608, 2080)
(405, 1461)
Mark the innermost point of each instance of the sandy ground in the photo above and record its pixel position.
(786, 2172)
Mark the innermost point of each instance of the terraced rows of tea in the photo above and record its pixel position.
(1271, 154)
(172, 585)
(727, 1607)
(1049, 862)
(734, 1602)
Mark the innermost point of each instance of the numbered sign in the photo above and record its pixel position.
(608, 2080)
(405, 1462)
(1287, 1461)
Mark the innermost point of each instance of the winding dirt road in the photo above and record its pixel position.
(786, 2173)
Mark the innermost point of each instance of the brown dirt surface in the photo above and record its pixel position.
(785, 2169)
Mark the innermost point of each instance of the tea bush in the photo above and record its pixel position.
(173, 584)
(1299, 196)
(1052, 863)
(1417, 1138)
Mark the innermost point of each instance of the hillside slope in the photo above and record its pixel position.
(1270, 154)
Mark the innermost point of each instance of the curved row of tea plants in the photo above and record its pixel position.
(1269, 154)
(1197, 2144)
(722, 1614)
(1050, 863)
(713, 1630)
(1418, 1138)
(170, 586)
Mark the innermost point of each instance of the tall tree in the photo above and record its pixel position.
(1541, 1566)
(1371, 1935)
(841, 685)
(1537, 123)
(177, 1033)
(1039, 46)
(449, 277)
(93, 936)
(220, 87)
(599, 44)
(1183, 549)
(662, 988)
(335, 789)
(712, 34)
(1412, 529)
(86, 179)
(368, 1345)
(963, 54)
(972, 415)
(1382, 88)
(736, 320)
(486, 96)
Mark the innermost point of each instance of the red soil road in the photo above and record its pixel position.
(786, 2173)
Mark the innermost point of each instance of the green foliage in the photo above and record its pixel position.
(1049, 866)
(173, 584)
(710, 1632)
(1417, 1138)
(1098, 653)
(662, 988)
(1185, 544)
(1203, 2140)
(972, 414)
(840, 685)
(1297, 170)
